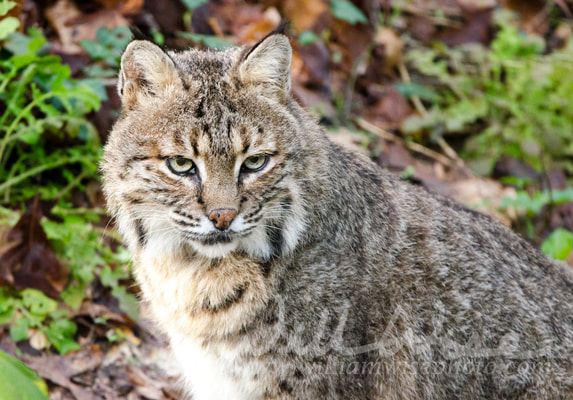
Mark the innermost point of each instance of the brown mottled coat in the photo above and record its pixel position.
(335, 280)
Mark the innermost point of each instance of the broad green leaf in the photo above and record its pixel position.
(8, 26)
(345, 10)
(74, 296)
(19, 329)
(19, 44)
(18, 382)
(6, 6)
(61, 334)
(414, 89)
(127, 302)
(96, 50)
(307, 37)
(37, 302)
(559, 244)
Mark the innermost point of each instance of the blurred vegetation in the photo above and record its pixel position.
(518, 97)
(48, 148)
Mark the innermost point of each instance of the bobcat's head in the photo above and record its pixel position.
(208, 153)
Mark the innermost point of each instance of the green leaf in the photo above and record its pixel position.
(345, 10)
(413, 89)
(6, 6)
(97, 86)
(307, 37)
(73, 296)
(193, 4)
(37, 302)
(19, 330)
(96, 50)
(61, 334)
(18, 382)
(7, 26)
(127, 302)
(559, 244)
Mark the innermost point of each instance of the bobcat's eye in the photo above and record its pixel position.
(254, 163)
(181, 165)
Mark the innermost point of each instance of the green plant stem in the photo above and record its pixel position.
(7, 193)
(70, 186)
(21, 115)
(38, 123)
(78, 211)
(31, 172)
(19, 92)
(9, 76)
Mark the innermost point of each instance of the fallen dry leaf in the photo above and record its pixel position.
(348, 139)
(31, 261)
(532, 13)
(475, 28)
(58, 370)
(483, 195)
(304, 14)
(389, 110)
(125, 6)
(392, 44)
(477, 5)
(73, 26)
(311, 64)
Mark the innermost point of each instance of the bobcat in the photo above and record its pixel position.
(281, 266)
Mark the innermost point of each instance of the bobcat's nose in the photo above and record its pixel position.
(222, 217)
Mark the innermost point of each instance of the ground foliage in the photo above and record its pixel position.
(472, 99)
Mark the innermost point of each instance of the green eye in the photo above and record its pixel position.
(180, 165)
(255, 163)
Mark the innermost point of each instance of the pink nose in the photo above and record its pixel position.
(222, 217)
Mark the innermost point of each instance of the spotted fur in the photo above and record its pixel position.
(335, 280)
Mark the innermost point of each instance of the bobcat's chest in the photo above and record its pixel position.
(193, 299)
(202, 309)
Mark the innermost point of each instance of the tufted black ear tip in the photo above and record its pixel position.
(282, 29)
(137, 34)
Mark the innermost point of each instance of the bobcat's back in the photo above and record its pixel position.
(281, 266)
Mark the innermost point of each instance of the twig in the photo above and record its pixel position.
(564, 7)
(418, 148)
(351, 82)
(422, 110)
(426, 9)
(542, 15)
(70, 186)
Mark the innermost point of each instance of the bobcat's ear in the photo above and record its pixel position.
(146, 71)
(268, 64)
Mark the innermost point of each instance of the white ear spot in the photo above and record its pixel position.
(145, 70)
(268, 64)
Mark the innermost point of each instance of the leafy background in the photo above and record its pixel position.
(471, 99)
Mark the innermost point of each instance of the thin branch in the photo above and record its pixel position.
(446, 148)
(418, 148)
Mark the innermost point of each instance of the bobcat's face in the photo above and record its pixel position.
(198, 164)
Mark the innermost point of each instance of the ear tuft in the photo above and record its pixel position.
(268, 64)
(146, 70)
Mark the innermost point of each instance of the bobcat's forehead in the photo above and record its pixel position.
(210, 115)
(217, 132)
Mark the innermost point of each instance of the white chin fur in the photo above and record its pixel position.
(218, 250)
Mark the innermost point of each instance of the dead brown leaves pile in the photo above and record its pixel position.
(27, 259)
